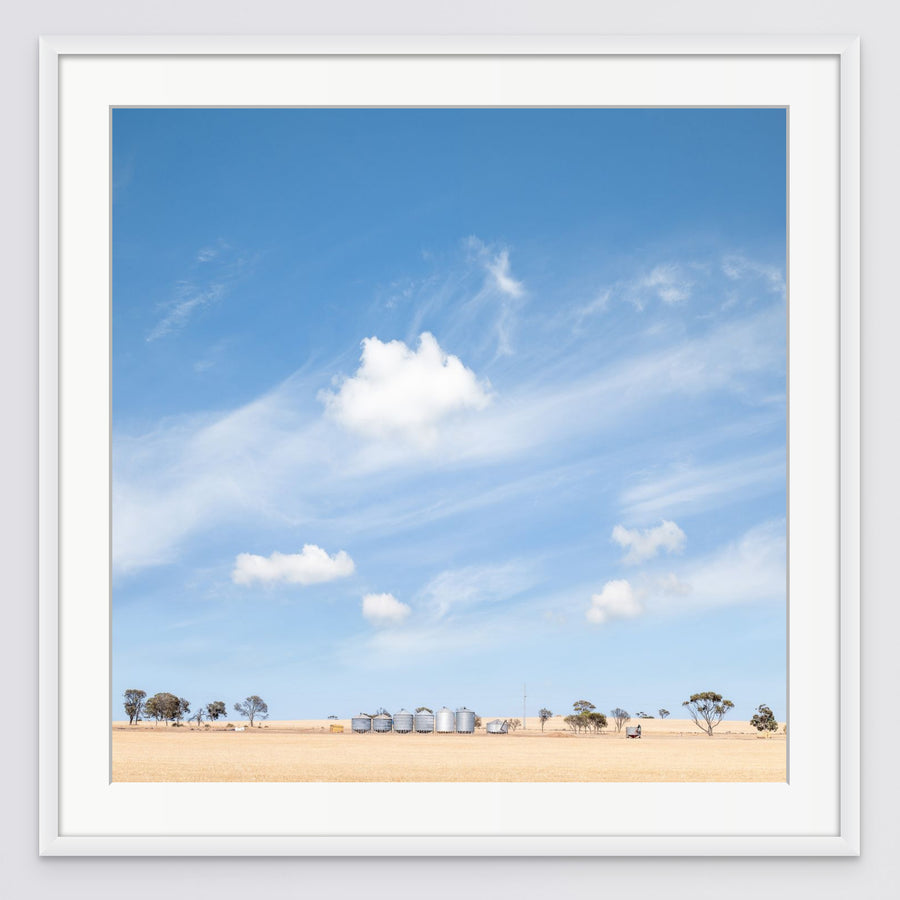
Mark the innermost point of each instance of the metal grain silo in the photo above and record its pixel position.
(424, 722)
(361, 724)
(403, 722)
(465, 721)
(497, 726)
(382, 723)
(445, 721)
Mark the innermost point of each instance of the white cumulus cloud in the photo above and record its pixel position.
(397, 391)
(645, 544)
(311, 566)
(384, 609)
(617, 600)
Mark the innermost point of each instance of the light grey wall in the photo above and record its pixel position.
(24, 875)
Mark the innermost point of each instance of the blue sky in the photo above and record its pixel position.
(413, 406)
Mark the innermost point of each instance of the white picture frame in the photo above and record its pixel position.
(817, 78)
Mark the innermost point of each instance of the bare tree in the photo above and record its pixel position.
(707, 710)
(134, 704)
(513, 724)
(544, 714)
(253, 708)
(198, 716)
(620, 716)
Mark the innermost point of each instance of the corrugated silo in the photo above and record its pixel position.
(403, 722)
(465, 721)
(424, 722)
(382, 723)
(445, 721)
(497, 726)
(361, 724)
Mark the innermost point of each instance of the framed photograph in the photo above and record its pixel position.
(449, 446)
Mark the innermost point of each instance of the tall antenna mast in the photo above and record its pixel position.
(524, 720)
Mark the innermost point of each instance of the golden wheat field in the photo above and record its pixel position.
(669, 750)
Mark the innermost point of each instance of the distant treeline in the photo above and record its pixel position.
(166, 708)
(707, 709)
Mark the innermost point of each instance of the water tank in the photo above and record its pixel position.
(497, 726)
(465, 721)
(424, 722)
(445, 721)
(403, 722)
(361, 724)
(382, 723)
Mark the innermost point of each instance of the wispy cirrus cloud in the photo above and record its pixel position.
(749, 569)
(206, 254)
(693, 488)
(500, 289)
(499, 268)
(738, 267)
(221, 268)
(729, 281)
(668, 283)
(189, 298)
(505, 609)
(459, 589)
(272, 458)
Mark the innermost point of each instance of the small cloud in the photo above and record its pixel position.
(672, 584)
(500, 291)
(599, 304)
(188, 298)
(666, 282)
(617, 600)
(193, 294)
(645, 544)
(737, 268)
(384, 609)
(498, 266)
(399, 391)
(311, 566)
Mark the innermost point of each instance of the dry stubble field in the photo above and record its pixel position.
(670, 750)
